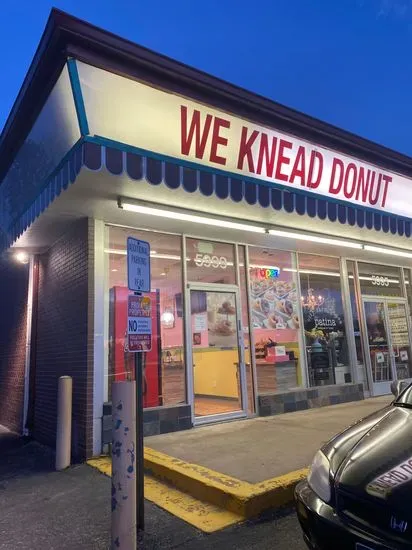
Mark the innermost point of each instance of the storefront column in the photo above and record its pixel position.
(363, 331)
(241, 341)
(302, 340)
(100, 327)
(252, 342)
(348, 316)
(29, 315)
(187, 334)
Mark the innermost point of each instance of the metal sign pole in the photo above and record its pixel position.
(138, 361)
(139, 329)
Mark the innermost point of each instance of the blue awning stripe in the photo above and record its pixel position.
(62, 179)
(156, 171)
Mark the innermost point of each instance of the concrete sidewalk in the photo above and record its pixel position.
(263, 448)
(220, 475)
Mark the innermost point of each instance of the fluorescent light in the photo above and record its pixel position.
(165, 257)
(327, 273)
(314, 238)
(154, 255)
(389, 251)
(263, 266)
(115, 251)
(182, 216)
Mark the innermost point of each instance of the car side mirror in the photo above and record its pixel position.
(398, 386)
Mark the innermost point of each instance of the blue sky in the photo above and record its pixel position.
(347, 62)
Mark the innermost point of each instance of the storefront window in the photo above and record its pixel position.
(360, 359)
(164, 368)
(210, 262)
(380, 280)
(323, 320)
(275, 319)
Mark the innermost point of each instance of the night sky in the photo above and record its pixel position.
(347, 62)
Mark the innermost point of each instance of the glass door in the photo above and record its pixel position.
(387, 335)
(378, 345)
(401, 349)
(219, 391)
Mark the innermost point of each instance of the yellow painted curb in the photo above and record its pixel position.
(205, 516)
(240, 498)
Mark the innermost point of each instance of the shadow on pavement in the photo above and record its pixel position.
(70, 510)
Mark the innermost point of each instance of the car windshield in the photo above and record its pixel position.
(405, 398)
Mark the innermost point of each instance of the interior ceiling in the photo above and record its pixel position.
(95, 195)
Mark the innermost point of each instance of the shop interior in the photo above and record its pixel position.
(296, 303)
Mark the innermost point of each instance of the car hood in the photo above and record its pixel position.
(374, 457)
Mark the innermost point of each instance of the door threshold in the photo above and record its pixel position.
(214, 421)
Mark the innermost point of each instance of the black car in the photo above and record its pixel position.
(358, 494)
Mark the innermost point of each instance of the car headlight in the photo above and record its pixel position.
(318, 477)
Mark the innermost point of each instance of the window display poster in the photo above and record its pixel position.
(323, 316)
(274, 301)
(121, 361)
(200, 322)
(222, 319)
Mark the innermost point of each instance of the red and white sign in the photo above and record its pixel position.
(174, 126)
(139, 323)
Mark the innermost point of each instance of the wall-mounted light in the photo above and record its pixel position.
(22, 257)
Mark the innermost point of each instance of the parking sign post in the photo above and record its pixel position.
(139, 336)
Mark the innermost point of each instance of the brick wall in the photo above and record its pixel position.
(63, 337)
(14, 279)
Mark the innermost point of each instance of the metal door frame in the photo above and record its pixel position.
(213, 287)
(382, 388)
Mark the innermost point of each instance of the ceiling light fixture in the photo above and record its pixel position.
(153, 255)
(186, 217)
(388, 251)
(314, 238)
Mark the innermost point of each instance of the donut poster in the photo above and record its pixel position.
(274, 300)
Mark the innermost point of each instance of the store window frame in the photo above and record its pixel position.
(373, 262)
(107, 227)
(403, 299)
(347, 311)
(242, 413)
(362, 324)
(187, 287)
(303, 366)
(347, 307)
(251, 331)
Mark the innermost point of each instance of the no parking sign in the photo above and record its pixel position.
(139, 323)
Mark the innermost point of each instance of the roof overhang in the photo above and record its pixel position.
(96, 176)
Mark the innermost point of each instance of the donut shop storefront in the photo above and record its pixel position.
(280, 246)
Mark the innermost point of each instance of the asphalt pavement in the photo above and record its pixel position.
(43, 509)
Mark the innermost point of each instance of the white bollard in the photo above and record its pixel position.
(64, 423)
(124, 466)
